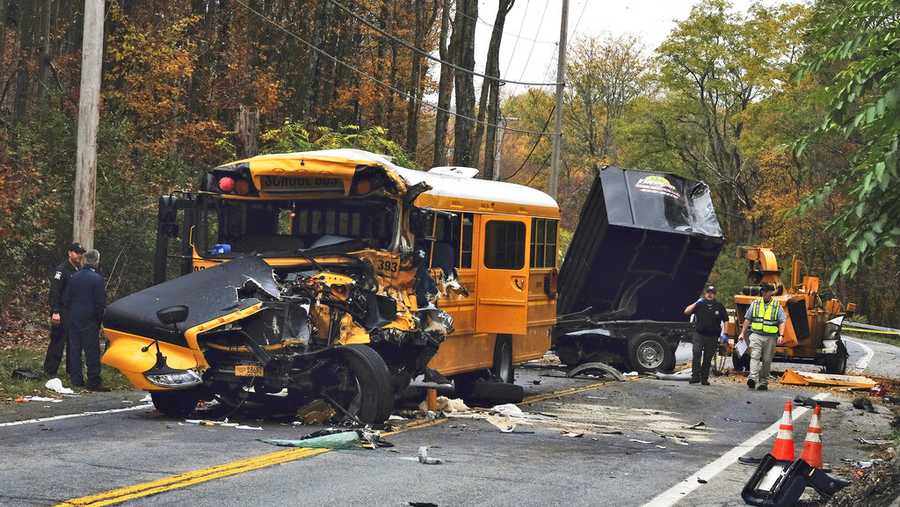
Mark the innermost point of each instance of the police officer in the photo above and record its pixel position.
(709, 315)
(765, 318)
(85, 298)
(58, 281)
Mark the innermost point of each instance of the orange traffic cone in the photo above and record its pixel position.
(783, 449)
(812, 447)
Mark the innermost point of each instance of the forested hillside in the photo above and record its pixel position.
(767, 106)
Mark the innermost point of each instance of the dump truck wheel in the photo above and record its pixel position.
(648, 352)
(837, 363)
(177, 404)
(372, 399)
(503, 368)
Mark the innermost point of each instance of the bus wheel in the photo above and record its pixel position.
(177, 404)
(361, 385)
(648, 352)
(503, 368)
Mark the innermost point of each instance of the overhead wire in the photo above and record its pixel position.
(516, 44)
(533, 146)
(371, 78)
(488, 24)
(426, 54)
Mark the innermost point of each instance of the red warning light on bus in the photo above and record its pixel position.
(226, 184)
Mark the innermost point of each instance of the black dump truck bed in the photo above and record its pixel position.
(643, 249)
(644, 246)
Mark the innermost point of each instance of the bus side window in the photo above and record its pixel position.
(504, 245)
(543, 243)
(466, 228)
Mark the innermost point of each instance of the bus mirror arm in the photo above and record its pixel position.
(415, 191)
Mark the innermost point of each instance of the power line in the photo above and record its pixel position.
(426, 54)
(533, 146)
(531, 50)
(516, 44)
(369, 76)
(491, 26)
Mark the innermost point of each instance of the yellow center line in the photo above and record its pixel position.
(183, 480)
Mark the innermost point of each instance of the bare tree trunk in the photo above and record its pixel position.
(382, 48)
(247, 128)
(412, 106)
(464, 38)
(23, 76)
(445, 89)
(44, 72)
(313, 70)
(490, 87)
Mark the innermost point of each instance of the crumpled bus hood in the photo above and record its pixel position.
(208, 294)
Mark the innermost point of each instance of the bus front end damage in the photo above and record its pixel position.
(347, 320)
(243, 331)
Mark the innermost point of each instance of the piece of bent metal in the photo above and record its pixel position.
(605, 368)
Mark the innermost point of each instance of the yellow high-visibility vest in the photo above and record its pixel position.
(765, 317)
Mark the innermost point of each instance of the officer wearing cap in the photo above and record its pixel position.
(765, 319)
(85, 296)
(59, 278)
(709, 317)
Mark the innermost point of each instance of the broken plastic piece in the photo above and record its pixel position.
(597, 366)
(425, 459)
(56, 386)
(342, 440)
(803, 378)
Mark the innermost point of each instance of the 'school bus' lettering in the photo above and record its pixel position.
(300, 184)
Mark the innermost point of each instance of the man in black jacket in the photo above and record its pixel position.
(709, 315)
(85, 298)
(58, 281)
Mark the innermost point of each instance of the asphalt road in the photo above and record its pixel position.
(637, 445)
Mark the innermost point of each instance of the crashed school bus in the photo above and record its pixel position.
(812, 331)
(643, 249)
(337, 275)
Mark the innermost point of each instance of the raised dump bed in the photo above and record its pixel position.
(643, 249)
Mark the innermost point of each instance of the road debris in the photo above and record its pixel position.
(806, 401)
(681, 376)
(873, 442)
(28, 399)
(696, 425)
(25, 374)
(245, 427)
(639, 441)
(446, 405)
(427, 460)
(863, 403)
(56, 386)
(597, 367)
(338, 441)
(572, 434)
(804, 378)
(315, 413)
(501, 422)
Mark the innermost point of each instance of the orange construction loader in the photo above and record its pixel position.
(812, 331)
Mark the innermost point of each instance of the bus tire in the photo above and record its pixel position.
(376, 395)
(503, 367)
(175, 404)
(648, 352)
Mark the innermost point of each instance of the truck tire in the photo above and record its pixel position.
(648, 352)
(837, 363)
(175, 404)
(503, 367)
(376, 396)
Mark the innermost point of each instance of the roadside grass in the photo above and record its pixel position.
(15, 358)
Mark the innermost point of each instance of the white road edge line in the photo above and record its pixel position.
(72, 416)
(677, 492)
(863, 363)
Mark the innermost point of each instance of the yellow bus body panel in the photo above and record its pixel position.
(124, 354)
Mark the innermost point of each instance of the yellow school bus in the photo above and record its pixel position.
(336, 274)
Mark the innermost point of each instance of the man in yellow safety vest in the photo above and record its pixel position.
(765, 319)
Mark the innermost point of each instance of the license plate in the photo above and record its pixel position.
(248, 370)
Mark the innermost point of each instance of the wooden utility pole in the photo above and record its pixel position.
(560, 88)
(88, 119)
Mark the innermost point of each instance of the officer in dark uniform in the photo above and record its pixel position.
(58, 281)
(85, 299)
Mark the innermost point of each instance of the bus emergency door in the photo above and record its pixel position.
(502, 295)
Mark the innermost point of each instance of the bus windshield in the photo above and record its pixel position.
(285, 227)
